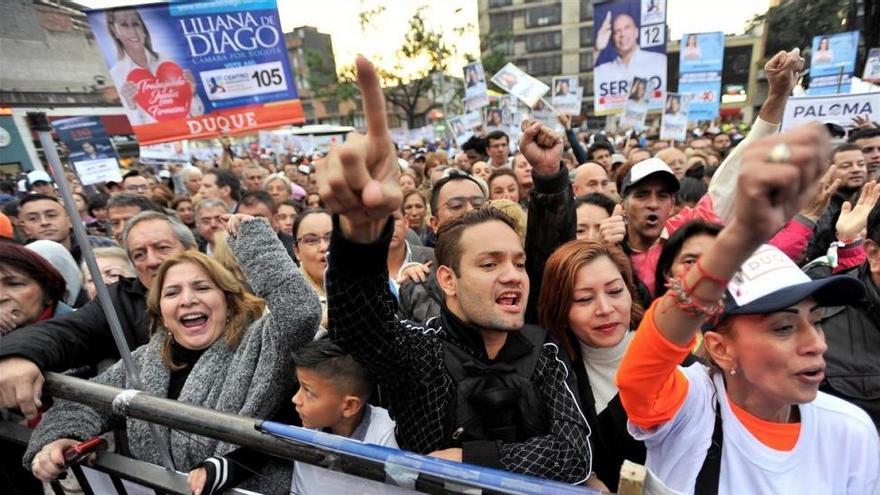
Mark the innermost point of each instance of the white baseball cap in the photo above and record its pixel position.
(646, 168)
(769, 281)
(35, 176)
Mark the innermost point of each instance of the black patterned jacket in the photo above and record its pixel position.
(406, 361)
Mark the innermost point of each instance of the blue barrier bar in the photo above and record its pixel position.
(404, 467)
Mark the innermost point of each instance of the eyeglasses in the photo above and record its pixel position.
(313, 240)
(457, 203)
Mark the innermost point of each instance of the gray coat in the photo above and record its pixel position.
(251, 379)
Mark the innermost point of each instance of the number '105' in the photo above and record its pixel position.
(267, 77)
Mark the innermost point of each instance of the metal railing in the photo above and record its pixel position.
(373, 464)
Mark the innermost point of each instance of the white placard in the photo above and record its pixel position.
(516, 82)
(100, 170)
(839, 109)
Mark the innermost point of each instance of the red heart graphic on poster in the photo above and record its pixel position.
(165, 96)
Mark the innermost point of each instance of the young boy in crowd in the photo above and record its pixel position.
(332, 397)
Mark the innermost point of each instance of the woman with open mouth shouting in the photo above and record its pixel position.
(753, 421)
(213, 345)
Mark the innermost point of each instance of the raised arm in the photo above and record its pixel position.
(294, 310)
(577, 149)
(770, 190)
(358, 182)
(552, 218)
(782, 71)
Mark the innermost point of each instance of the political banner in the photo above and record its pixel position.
(838, 109)
(700, 62)
(833, 62)
(543, 112)
(494, 118)
(509, 105)
(871, 73)
(567, 95)
(673, 124)
(198, 69)
(476, 93)
(637, 49)
(459, 130)
(89, 149)
(516, 82)
(636, 109)
(473, 119)
(171, 151)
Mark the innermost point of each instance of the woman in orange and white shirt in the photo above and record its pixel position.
(759, 399)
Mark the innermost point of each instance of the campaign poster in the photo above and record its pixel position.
(871, 73)
(509, 104)
(567, 95)
(459, 130)
(837, 109)
(636, 109)
(543, 112)
(516, 82)
(171, 151)
(629, 41)
(188, 70)
(700, 62)
(473, 120)
(494, 119)
(673, 123)
(89, 149)
(476, 93)
(833, 62)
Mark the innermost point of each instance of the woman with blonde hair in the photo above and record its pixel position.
(213, 345)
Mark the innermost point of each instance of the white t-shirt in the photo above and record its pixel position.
(837, 451)
(376, 428)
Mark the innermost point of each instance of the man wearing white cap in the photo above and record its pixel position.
(648, 191)
(40, 182)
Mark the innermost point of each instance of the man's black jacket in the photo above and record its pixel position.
(83, 337)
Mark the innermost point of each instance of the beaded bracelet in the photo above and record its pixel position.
(683, 297)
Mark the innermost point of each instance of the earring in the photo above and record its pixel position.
(732, 371)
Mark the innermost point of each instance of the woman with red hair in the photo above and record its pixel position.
(587, 304)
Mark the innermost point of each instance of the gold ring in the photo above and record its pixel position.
(780, 153)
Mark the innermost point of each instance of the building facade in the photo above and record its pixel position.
(546, 37)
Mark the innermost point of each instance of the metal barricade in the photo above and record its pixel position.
(373, 464)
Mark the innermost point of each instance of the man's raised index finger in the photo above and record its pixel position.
(373, 98)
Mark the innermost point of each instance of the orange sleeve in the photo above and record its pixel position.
(652, 388)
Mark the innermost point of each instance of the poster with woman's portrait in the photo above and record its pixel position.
(636, 109)
(673, 124)
(833, 62)
(567, 95)
(196, 70)
(516, 82)
(459, 129)
(476, 94)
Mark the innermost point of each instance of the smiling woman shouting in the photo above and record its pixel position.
(213, 345)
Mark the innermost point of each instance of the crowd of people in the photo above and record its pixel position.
(551, 307)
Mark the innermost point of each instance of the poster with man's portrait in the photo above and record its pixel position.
(629, 41)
